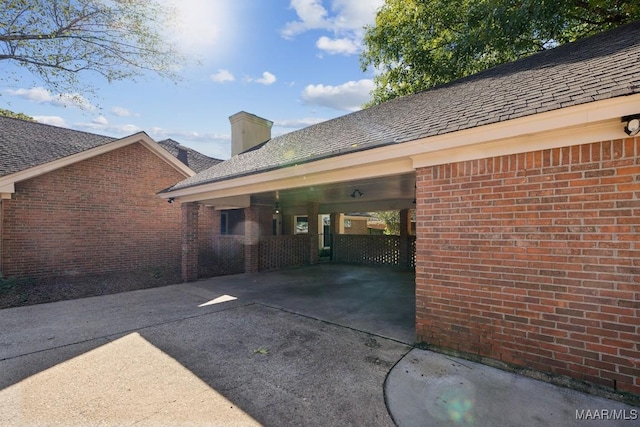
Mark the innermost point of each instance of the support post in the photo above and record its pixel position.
(405, 231)
(209, 227)
(314, 242)
(337, 224)
(190, 241)
(251, 239)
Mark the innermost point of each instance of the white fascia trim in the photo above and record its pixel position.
(140, 137)
(304, 175)
(584, 124)
(592, 122)
(7, 190)
(235, 202)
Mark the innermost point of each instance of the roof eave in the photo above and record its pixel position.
(561, 127)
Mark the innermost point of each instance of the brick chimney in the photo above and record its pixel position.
(247, 131)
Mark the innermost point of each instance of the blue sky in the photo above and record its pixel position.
(294, 62)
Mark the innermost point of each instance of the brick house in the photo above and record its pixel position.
(526, 183)
(74, 203)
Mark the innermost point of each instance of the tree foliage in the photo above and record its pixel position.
(391, 220)
(22, 116)
(417, 44)
(57, 40)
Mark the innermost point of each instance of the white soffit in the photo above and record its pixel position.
(582, 124)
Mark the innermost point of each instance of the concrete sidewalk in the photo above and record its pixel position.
(313, 346)
(432, 389)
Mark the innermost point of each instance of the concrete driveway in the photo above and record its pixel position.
(191, 354)
(324, 345)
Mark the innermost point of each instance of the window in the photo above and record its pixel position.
(301, 224)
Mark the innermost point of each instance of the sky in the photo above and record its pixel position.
(294, 62)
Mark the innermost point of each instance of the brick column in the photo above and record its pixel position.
(209, 220)
(209, 227)
(251, 239)
(190, 241)
(216, 221)
(312, 216)
(405, 231)
(337, 224)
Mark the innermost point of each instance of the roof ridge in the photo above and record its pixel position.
(28, 122)
(186, 147)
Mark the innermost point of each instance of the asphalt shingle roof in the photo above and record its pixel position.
(599, 67)
(24, 144)
(195, 160)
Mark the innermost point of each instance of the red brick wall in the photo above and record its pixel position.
(208, 231)
(190, 241)
(534, 260)
(252, 239)
(358, 226)
(99, 215)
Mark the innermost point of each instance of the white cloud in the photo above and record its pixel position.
(211, 144)
(222, 76)
(41, 95)
(51, 120)
(337, 46)
(298, 123)
(347, 97)
(162, 133)
(100, 120)
(121, 112)
(312, 16)
(102, 126)
(355, 14)
(345, 21)
(266, 79)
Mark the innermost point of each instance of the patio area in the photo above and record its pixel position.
(373, 299)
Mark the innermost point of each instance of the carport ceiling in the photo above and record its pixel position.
(376, 194)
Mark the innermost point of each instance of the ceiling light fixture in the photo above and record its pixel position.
(633, 124)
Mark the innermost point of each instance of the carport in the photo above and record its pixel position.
(252, 214)
(368, 281)
(525, 182)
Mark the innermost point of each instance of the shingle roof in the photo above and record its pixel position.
(24, 144)
(600, 67)
(195, 160)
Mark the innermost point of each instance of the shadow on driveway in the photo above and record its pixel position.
(276, 355)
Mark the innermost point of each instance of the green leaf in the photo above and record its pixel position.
(261, 350)
(59, 40)
(417, 44)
